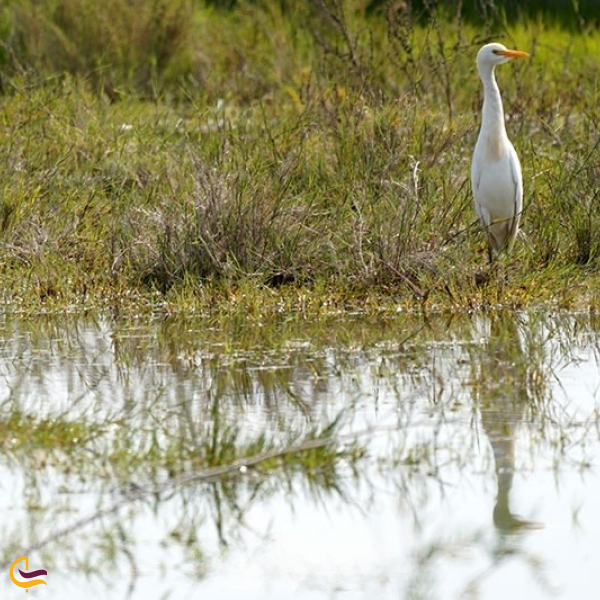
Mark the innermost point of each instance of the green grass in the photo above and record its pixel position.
(262, 158)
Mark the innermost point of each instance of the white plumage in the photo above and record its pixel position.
(495, 171)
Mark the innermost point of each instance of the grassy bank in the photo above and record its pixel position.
(266, 158)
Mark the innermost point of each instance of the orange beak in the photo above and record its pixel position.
(513, 53)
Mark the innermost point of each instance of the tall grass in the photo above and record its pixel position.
(305, 144)
(119, 45)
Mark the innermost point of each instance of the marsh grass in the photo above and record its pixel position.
(118, 45)
(287, 150)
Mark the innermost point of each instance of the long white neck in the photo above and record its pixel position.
(492, 123)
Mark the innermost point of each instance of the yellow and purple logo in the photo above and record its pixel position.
(27, 575)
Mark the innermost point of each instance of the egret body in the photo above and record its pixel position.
(495, 171)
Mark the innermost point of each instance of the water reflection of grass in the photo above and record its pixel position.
(133, 424)
(238, 470)
(184, 420)
(498, 375)
(46, 440)
(216, 480)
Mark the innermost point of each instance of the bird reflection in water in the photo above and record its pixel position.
(503, 395)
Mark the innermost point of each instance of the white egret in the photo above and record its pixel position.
(496, 177)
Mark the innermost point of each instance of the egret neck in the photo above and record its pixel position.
(493, 129)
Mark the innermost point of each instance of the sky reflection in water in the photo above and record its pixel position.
(480, 478)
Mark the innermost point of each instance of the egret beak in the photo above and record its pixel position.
(512, 53)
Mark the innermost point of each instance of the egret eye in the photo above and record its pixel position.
(495, 51)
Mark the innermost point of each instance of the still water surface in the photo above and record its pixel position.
(467, 463)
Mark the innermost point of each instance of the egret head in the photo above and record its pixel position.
(494, 54)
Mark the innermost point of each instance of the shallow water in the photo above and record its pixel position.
(467, 463)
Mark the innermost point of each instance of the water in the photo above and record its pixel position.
(466, 466)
